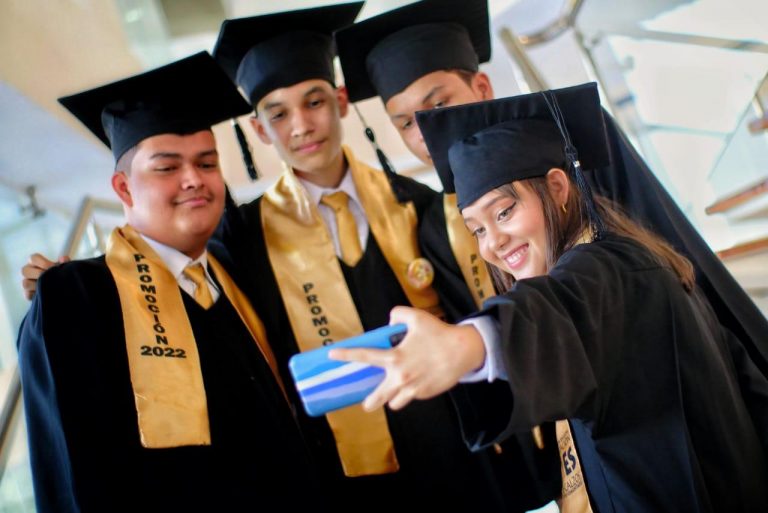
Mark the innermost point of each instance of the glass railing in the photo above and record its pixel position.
(681, 82)
(740, 177)
(745, 150)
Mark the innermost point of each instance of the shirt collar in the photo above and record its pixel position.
(316, 192)
(175, 260)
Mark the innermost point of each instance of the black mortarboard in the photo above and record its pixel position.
(384, 54)
(532, 141)
(488, 144)
(264, 53)
(183, 97)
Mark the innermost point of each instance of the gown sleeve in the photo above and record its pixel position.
(554, 331)
(49, 456)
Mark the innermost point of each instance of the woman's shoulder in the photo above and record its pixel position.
(611, 248)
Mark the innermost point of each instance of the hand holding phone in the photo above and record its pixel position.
(325, 385)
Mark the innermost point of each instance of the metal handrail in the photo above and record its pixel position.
(83, 219)
(554, 29)
(568, 19)
(690, 39)
(515, 44)
(532, 77)
(8, 417)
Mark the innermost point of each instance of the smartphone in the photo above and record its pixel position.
(325, 385)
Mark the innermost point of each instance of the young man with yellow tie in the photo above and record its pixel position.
(149, 383)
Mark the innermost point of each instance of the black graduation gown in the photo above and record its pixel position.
(437, 471)
(85, 450)
(630, 183)
(667, 410)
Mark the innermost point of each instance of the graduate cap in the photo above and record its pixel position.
(264, 53)
(382, 55)
(480, 146)
(173, 99)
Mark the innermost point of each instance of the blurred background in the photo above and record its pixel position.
(686, 79)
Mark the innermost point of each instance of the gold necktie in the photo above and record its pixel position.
(345, 222)
(574, 497)
(196, 273)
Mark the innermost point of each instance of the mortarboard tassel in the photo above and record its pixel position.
(245, 148)
(397, 188)
(572, 157)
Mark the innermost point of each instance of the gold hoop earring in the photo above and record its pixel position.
(565, 211)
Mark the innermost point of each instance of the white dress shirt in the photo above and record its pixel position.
(347, 185)
(493, 367)
(176, 262)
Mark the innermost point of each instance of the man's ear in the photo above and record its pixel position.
(559, 186)
(258, 127)
(342, 98)
(481, 83)
(121, 188)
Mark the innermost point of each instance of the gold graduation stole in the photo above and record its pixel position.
(466, 253)
(574, 498)
(163, 361)
(319, 305)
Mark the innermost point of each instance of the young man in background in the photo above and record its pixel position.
(343, 252)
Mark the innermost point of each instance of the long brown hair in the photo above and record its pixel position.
(565, 227)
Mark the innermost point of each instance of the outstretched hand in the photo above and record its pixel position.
(33, 269)
(431, 359)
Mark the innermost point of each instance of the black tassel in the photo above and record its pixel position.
(394, 180)
(572, 158)
(595, 220)
(245, 149)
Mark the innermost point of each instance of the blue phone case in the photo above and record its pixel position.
(325, 385)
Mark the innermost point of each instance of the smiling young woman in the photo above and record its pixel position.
(599, 325)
